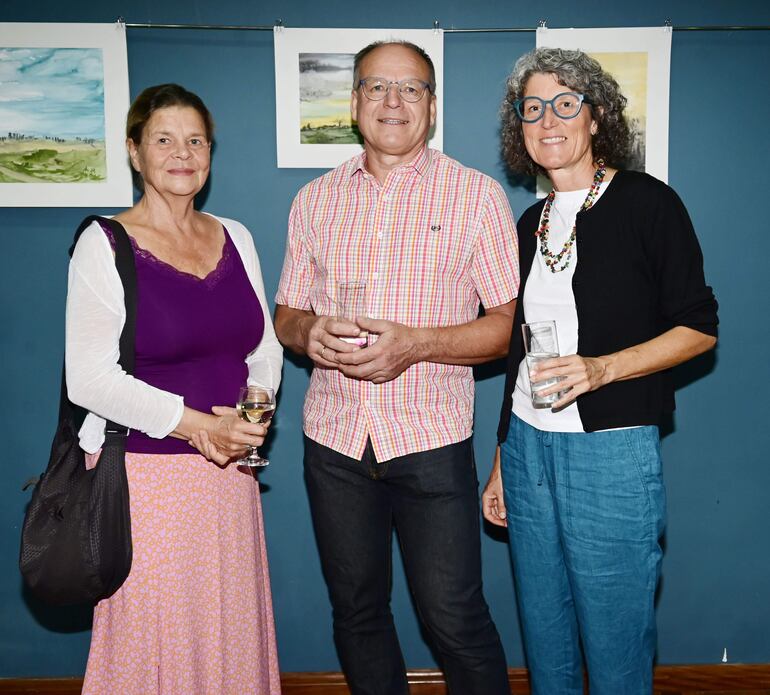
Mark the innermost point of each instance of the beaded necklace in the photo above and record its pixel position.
(553, 260)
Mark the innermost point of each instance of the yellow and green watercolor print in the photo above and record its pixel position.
(630, 71)
(325, 81)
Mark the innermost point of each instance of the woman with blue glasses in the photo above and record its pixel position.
(611, 257)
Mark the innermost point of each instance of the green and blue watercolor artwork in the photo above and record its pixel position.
(52, 115)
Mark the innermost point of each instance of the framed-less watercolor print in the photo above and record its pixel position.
(640, 60)
(63, 104)
(313, 82)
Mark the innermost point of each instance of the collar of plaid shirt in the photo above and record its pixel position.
(421, 163)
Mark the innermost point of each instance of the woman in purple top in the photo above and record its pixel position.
(195, 613)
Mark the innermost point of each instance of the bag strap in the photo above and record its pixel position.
(124, 262)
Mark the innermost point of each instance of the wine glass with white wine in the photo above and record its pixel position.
(256, 403)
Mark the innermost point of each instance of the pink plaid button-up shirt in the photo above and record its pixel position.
(431, 243)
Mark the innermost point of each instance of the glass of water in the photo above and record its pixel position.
(541, 342)
(351, 302)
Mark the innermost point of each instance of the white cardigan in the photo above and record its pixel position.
(95, 316)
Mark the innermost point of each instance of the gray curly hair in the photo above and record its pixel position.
(577, 72)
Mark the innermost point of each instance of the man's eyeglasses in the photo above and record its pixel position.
(410, 89)
(565, 105)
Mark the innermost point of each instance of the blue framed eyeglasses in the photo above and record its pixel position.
(410, 89)
(565, 105)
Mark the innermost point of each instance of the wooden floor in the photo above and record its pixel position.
(728, 679)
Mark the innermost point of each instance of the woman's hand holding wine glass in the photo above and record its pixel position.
(239, 430)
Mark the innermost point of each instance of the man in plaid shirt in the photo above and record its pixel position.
(388, 425)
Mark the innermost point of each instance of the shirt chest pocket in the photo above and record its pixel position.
(435, 245)
(429, 257)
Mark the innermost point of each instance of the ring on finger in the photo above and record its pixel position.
(323, 350)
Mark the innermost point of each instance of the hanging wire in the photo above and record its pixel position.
(713, 27)
(216, 27)
(449, 30)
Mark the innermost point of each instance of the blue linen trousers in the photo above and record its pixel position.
(585, 515)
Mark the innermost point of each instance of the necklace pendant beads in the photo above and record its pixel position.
(552, 260)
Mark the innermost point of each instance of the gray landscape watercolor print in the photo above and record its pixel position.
(325, 81)
(52, 115)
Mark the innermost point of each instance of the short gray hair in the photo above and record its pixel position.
(578, 72)
(421, 52)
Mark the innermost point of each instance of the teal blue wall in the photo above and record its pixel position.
(715, 591)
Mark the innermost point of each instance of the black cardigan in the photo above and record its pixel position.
(639, 273)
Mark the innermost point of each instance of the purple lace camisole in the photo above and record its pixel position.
(193, 335)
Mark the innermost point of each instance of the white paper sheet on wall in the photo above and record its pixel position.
(63, 104)
(313, 80)
(640, 60)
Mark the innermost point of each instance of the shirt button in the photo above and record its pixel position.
(386, 197)
(379, 235)
(375, 276)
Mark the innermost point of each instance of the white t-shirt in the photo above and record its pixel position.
(548, 297)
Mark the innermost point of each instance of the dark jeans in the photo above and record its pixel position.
(431, 498)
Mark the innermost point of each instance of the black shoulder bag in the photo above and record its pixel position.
(76, 537)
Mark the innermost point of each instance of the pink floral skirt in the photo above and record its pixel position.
(195, 615)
